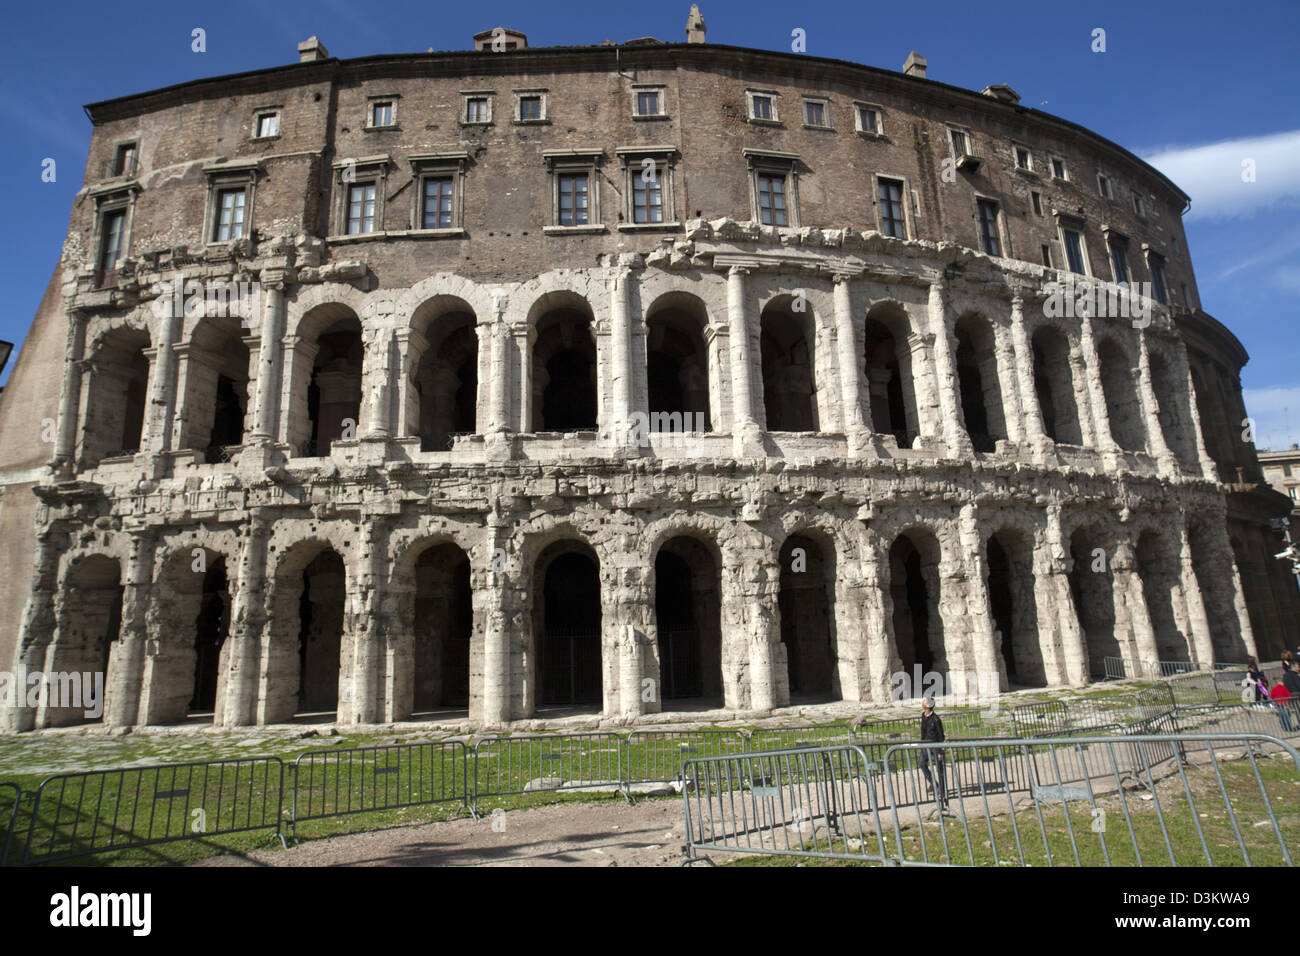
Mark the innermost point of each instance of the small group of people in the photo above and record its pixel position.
(1284, 696)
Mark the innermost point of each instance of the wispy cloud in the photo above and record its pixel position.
(1212, 174)
(1276, 412)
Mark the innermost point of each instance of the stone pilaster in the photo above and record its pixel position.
(952, 428)
(745, 427)
(1202, 641)
(65, 449)
(972, 654)
(270, 360)
(239, 685)
(1024, 381)
(854, 398)
(126, 682)
(1131, 614)
(1057, 618)
(163, 396)
(1096, 395)
(1151, 412)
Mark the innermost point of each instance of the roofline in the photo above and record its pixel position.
(1211, 329)
(104, 110)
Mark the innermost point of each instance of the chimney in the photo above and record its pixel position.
(695, 25)
(311, 49)
(500, 40)
(915, 65)
(1000, 91)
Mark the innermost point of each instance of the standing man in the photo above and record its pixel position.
(932, 732)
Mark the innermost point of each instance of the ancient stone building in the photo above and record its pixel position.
(615, 379)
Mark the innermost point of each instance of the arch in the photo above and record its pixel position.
(688, 620)
(889, 373)
(118, 391)
(303, 662)
(914, 592)
(442, 399)
(1159, 567)
(807, 603)
(1173, 410)
(565, 651)
(89, 623)
(564, 370)
(325, 379)
(1013, 607)
(1092, 588)
(190, 615)
(787, 342)
(442, 615)
(1119, 387)
(214, 388)
(677, 363)
(977, 380)
(1054, 386)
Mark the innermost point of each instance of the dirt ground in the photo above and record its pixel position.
(596, 834)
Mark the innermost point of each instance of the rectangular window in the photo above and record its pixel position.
(437, 202)
(111, 243)
(1058, 168)
(648, 196)
(530, 108)
(989, 240)
(1073, 251)
(381, 114)
(1038, 204)
(815, 113)
(1047, 255)
(476, 109)
(647, 103)
(762, 107)
(868, 120)
(1157, 265)
(1138, 207)
(890, 193)
(573, 199)
(1103, 186)
(124, 165)
(1023, 160)
(771, 200)
(361, 208)
(1119, 258)
(268, 124)
(958, 142)
(230, 215)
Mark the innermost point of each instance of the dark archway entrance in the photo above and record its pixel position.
(914, 590)
(1092, 587)
(320, 635)
(211, 626)
(688, 621)
(444, 623)
(568, 627)
(808, 619)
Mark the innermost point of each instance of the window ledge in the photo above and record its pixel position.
(648, 226)
(650, 117)
(488, 123)
(573, 230)
(380, 129)
(1027, 173)
(867, 134)
(763, 122)
(518, 122)
(441, 233)
(356, 237)
(1060, 179)
(824, 129)
(265, 139)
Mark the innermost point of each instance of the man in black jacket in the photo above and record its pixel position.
(932, 732)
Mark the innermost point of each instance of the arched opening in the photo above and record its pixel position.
(1013, 607)
(688, 619)
(320, 633)
(889, 376)
(789, 382)
(119, 384)
(677, 364)
(977, 379)
(444, 625)
(566, 625)
(215, 389)
(914, 594)
(564, 367)
(1158, 567)
(1120, 390)
(211, 625)
(1092, 588)
(1211, 563)
(326, 380)
(1054, 386)
(443, 397)
(807, 602)
(189, 619)
(1173, 411)
(89, 624)
(1220, 440)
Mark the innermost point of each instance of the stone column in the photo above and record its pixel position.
(411, 347)
(1151, 412)
(1198, 621)
(1209, 471)
(238, 687)
(124, 684)
(495, 607)
(620, 342)
(270, 359)
(630, 606)
(953, 429)
(163, 398)
(1096, 395)
(1024, 379)
(39, 622)
(856, 400)
(65, 449)
(964, 597)
(364, 627)
(745, 428)
(1056, 612)
(1131, 605)
(377, 386)
(295, 377)
(882, 660)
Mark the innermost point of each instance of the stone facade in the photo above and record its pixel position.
(417, 477)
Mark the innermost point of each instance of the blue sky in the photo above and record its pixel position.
(1194, 87)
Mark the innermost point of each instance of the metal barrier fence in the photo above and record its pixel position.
(786, 738)
(1083, 801)
(657, 756)
(1274, 719)
(540, 762)
(10, 796)
(331, 783)
(1119, 668)
(77, 814)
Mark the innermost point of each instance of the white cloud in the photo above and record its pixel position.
(1212, 174)
(1273, 410)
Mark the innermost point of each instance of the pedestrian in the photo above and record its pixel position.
(932, 732)
(1282, 702)
(1257, 679)
(1291, 677)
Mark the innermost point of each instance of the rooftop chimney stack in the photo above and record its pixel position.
(915, 65)
(311, 50)
(695, 25)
